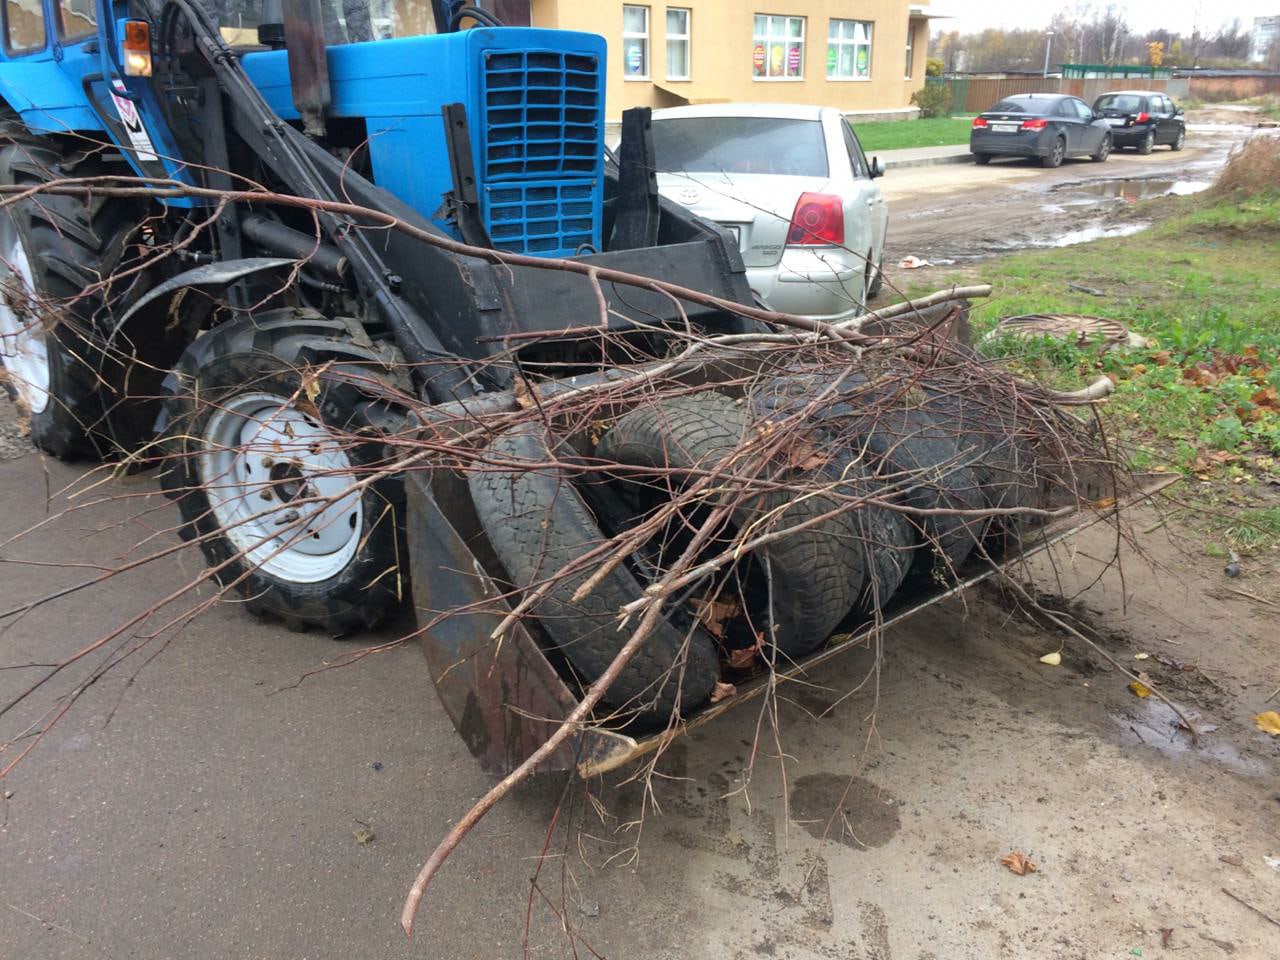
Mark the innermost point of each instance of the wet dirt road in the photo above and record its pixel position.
(963, 212)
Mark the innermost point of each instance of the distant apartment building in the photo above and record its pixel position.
(862, 57)
(1264, 36)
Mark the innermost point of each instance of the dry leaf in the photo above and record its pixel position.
(1140, 690)
(1106, 503)
(742, 658)
(524, 398)
(1052, 659)
(714, 614)
(1268, 722)
(1142, 656)
(723, 691)
(1018, 863)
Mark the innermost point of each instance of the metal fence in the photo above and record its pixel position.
(975, 94)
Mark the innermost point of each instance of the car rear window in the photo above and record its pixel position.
(1125, 102)
(1028, 105)
(740, 145)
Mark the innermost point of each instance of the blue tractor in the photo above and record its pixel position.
(177, 315)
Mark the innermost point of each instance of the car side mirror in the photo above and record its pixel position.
(877, 168)
(1178, 112)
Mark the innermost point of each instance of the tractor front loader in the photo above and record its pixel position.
(254, 242)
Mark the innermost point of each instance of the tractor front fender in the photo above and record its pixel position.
(212, 275)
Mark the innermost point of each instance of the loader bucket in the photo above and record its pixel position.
(506, 696)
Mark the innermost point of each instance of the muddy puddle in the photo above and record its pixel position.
(1153, 724)
(1126, 190)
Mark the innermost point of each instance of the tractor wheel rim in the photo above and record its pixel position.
(24, 347)
(279, 484)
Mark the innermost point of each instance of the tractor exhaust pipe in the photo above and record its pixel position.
(308, 64)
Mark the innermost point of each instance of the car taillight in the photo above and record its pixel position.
(979, 121)
(1143, 117)
(818, 220)
(1034, 124)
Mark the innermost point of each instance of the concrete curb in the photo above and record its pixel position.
(906, 162)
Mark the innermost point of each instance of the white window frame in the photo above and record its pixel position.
(631, 35)
(837, 43)
(777, 31)
(911, 48)
(686, 38)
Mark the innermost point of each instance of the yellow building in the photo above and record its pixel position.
(862, 56)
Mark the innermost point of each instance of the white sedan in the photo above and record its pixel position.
(794, 186)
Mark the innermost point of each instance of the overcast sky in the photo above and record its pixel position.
(1143, 15)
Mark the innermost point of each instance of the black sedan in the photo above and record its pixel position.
(1051, 126)
(1142, 119)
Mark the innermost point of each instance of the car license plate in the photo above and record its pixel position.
(1005, 127)
(1116, 121)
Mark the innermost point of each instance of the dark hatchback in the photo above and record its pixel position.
(1051, 126)
(1142, 119)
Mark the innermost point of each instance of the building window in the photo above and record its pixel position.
(849, 50)
(635, 42)
(778, 52)
(911, 50)
(678, 43)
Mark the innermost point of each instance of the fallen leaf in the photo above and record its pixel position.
(1142, 656)
(1268, 722)
(524, 398)
(1140, 690)
(363, 836)
(1052, 659)
(1232, 858)
(723, 691)
(714, 614)
(1018, 863)
(742, 658)
(1166, 936)
(1105, 503)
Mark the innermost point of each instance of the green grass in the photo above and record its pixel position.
(904, 134)
(1204, 396)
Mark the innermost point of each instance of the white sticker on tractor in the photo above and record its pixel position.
(143, 149)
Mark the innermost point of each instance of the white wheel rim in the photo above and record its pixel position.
(24, 348)
(280, 487)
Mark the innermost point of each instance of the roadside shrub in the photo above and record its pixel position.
(933, 99)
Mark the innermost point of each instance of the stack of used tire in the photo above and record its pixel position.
(933, 469)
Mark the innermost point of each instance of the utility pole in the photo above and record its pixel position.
(1048, 44)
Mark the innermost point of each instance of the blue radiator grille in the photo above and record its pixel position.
(545, 219)
(544, 115)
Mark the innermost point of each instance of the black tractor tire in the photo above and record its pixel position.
(898, 440)
(72, 243)
(817, 573)
(1055, 156)
(1148, 143)
(1179, 141)
(1104, 150)
(537, 523)
(982, 159)
(1002, 459)
(269, 354)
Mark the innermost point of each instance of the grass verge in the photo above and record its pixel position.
(1203, 396)
(905, 134)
